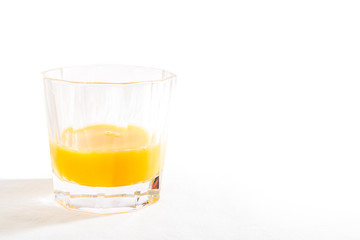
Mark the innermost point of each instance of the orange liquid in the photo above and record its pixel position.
(105, 156)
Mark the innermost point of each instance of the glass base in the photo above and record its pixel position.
(106, 200)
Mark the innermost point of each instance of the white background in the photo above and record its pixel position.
(265, 135)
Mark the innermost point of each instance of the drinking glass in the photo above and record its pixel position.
(108, 134)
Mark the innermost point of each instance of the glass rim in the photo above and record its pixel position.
(45, 77)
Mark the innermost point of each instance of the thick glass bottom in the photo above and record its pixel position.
(106, 200)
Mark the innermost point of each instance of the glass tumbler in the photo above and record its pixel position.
(107, 130)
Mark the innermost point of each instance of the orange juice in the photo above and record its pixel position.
(105, 156)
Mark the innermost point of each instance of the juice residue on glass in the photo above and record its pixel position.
(105, 156)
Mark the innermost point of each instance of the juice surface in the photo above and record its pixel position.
(105, 156)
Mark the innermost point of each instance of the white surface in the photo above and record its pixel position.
(264, 141)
